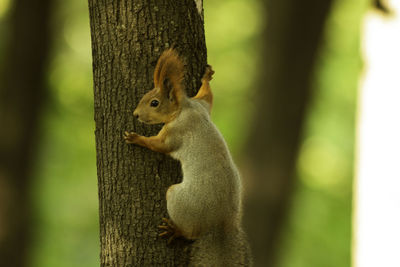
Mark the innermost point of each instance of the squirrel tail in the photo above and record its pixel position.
(217, 249)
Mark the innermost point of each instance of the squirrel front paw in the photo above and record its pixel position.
(208, 73)
(131, 137)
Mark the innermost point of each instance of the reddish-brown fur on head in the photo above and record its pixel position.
(168, 91)
(169, 67)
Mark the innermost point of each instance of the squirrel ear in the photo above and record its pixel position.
(169, 90)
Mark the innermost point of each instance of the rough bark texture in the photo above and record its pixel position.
(292, 37)
(22, 91)
(127, 39)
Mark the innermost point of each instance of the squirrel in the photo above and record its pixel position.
(206, 205)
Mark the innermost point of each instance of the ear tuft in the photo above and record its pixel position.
(169, 73)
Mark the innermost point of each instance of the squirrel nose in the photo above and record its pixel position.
(135, 113)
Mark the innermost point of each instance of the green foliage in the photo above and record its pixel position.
(65, 190)
(232, 30)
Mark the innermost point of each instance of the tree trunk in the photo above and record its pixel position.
(292, 37)
(22, 91)
(127, 39)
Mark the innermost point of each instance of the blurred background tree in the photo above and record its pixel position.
(317, 231)
(290, 45)
(23, 90)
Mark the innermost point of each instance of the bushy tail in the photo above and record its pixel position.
(218, 249)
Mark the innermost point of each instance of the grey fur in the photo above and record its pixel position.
(206, 206)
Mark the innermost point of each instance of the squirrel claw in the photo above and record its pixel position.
(163, 234)
(172, 238)
(130, 137)
(168, 221)
(170, 230)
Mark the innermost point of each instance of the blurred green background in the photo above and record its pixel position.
(318, 232)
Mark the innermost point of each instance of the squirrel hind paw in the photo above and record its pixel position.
(171, 230)
(208, 73)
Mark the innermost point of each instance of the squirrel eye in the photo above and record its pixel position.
(154, 103)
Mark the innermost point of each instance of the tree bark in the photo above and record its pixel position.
(291, 40)
(22, 93)
(127, 39)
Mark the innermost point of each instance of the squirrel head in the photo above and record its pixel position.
(162, 103)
